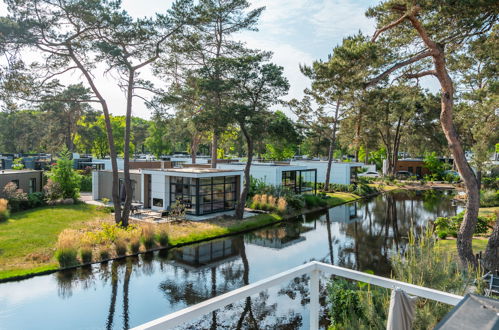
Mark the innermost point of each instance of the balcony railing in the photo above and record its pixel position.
(313, 269)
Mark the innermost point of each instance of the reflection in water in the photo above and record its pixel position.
(132, 291)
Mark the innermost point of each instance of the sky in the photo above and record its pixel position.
(296, 31)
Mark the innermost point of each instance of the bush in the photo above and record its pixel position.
(163, 237)
(86, 183)
(52, 190)
(18, 199)
(86, 254)
(490, 182)
(489, 198)
(312, 201)
(36, 199)
(104, 252)
(135, 243)
(451, 225)
(4, 210)
(282, 205)
(120, 247)
(442, 234)
(66, 249)
(296, 202)
(64, 174)
(148, 237)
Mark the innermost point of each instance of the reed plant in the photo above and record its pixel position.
(86, 254)
(282, 205)
(4, 210)
(163, 237)
(67, 248)
(148, 238)
(256, 202)
(120, 243)
(105, 252)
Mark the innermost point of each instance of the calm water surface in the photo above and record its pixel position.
(127, 293)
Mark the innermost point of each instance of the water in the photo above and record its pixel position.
(130, 292)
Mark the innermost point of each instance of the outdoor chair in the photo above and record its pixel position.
(492, 280)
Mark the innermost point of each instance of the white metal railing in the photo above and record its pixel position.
(313, 269)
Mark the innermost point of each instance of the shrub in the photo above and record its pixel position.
(66, 248)
(163, 237)
(36, 199)
(52, 190)
(148, 237)
(120, 247)
(489, 198)
(451, 225)
(4, 210)
(135, 243)
(491, 182)
(297, 202)
(86, 183)
(255, 204)
(64, 174)
(312, 201)
(86, 254)
(104, 252)
(18, 199)
(442, 234)
(282, 204)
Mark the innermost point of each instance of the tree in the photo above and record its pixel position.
(423, 35)
(62, 33)
(63, 174)
(256, 85)
(203, 51)
(63, 111)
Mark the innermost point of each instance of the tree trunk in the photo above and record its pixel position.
(126, 151)
(109, 132)
(214, 149)
(491, 258)
(330, 153)
(247, 178)
(467, 229)
(479, 179)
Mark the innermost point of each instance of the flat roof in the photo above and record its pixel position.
(9, 171)
(195, 170)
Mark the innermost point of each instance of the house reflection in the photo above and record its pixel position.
(206, 255)
(278, 237)
(346, 213)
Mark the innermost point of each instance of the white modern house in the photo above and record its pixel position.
(299, 179)
(341, 173)
(200, 190)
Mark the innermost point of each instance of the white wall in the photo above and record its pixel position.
(95, 185)
(159, 190)
(340, 172)
(270, 174)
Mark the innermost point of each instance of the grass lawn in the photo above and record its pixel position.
(27, 239)
(479, 244)
(341, 198)
(488, 211)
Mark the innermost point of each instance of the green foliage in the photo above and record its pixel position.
(163, 238)
(86, 255)
(434, 165)
(451, 225)
(18, 199)
(67, 257)
(17, 164)
(52, 190)
(296, 202)
(312, 201)
(277, 152)
(86, 183)
(425, 265)
(491, 182)
(257, 186)
(36, 199)
(489, 198)
(63, 174)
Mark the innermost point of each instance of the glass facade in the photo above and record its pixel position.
(204, 195)
(300, 181)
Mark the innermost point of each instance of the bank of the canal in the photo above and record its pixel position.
(125, 293)
(28, 239)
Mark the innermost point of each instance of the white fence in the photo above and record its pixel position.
(313, 269)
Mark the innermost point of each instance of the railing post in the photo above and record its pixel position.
(314, 300)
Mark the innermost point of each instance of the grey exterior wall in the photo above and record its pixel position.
(23, 177)
(105, 184)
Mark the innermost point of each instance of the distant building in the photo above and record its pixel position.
(299, 179)
(29, 181)
(200, 190)
(341, 172)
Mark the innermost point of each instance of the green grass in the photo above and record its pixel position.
(28, 238)
(450, 245)
(488, 211)
(338, 198)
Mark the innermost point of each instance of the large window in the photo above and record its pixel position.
(300, 181)
(204, 195)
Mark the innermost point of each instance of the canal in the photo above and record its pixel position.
(126, 293)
